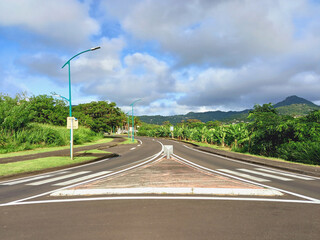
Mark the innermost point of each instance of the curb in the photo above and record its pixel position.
(193, 191)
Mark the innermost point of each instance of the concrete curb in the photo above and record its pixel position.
(287, 166)
(193, 191)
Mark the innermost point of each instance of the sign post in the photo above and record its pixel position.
(72, 123)
(171, 130)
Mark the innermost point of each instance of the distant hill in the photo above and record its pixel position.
(294, 100)
(293, 105)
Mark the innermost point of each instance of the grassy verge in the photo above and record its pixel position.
(50, 149)
(8, 169)
(94, 151)
(129, 141)
(247, 154)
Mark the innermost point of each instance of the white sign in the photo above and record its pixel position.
(171, 128)
(74, 123)
(168, 150)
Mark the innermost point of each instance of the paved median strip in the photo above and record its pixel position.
(168, 176)
(187, 191)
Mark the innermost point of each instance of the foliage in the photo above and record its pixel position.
(267, 134)
(37, 135)
(100, 116)
(15, 113)
(47, 109)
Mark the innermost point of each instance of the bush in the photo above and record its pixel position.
(40, 135)
(304, 152)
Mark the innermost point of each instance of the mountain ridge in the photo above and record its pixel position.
(292, 105)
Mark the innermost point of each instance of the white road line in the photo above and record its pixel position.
(160, 198)
(248, 181)
(238, 161)
(265, 174)
(33, 179)
(91, 180)
(81, 178)
(57, 178)
(132, 148)
(285, 174)
(81, 166)
(244, 175)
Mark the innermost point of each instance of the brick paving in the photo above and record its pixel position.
(167, 173)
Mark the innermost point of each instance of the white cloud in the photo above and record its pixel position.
(66, 22)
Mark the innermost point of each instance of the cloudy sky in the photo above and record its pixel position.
(176, 55)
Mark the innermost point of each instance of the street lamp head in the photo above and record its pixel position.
(95, 48)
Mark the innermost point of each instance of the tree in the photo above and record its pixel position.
(15, 113)
(47, 109)
(100, 116)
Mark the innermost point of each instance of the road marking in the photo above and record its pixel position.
(238, 161)
(81, 178)
(57, 178)
(265, 174)
(132, 148)
(81, 166)
(160, 198)
(285, 174)
(244, 175)
(248, 181)
(91, 180)
(33, 179)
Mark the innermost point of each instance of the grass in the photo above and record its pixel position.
(129, 141)
(94, 151)
(8, 169)
(50, 149)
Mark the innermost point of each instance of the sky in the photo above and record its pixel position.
(176, 56)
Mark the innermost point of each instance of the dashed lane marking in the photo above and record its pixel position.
(265, 174)
(285, 174)
(57, 178)
(243, 175)
(32, 179)
(81, 178)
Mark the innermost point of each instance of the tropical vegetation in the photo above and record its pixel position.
(39, 121)
(266, 133)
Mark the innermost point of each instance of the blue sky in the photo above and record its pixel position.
(178, 56)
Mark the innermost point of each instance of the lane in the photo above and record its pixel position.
(30, 186)
(304, 185)
(161, 219)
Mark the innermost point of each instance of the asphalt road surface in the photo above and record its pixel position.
(27, 211)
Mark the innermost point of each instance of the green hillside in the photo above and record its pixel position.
(293, 106)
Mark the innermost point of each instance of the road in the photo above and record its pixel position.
(29, 212)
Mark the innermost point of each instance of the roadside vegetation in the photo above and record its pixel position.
(28, 123)
(14, 168)
(267, 134)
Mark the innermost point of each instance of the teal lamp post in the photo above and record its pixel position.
(128, 123)
(69, 100)
(132, 133)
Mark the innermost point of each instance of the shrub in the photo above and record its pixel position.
(304, 152)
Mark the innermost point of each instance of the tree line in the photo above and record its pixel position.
(17, 112)
(267, 133)
(38, 121)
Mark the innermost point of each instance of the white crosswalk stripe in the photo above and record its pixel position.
(32, 179)
(265, 174)
(243, 175)
(81, 178)
(57, 178)
(285, 174)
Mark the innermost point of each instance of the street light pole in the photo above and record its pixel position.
(132, 133)
(70, 105)
(128, 123)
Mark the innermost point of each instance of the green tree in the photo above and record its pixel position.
(47, 109)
